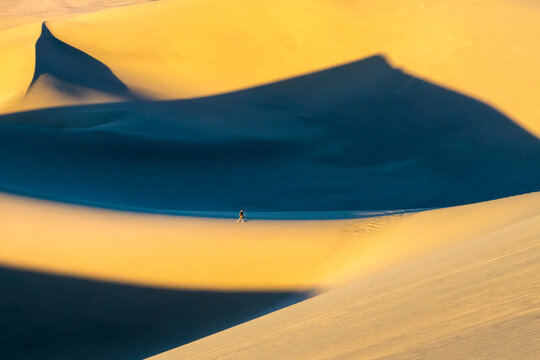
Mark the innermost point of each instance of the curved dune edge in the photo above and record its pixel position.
(199, 253)
(20, 24)
(184, 49)
(199, 48)
(478, 298)
(57, 75)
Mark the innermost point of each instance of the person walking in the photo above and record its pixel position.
(241, 216)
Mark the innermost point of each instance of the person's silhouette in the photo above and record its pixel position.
(241, 216)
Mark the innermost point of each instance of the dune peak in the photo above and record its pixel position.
(73, 68)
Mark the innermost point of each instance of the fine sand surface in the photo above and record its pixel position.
(130, 136)
(476, 297)
(363, 135)
(177, 251)
(359, 136)
(20, 12)
(238, 271)
(206, 253)
(50, 317)
(190, 48)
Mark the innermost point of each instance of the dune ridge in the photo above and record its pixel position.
(258, 255)
(58, 59)
(344, 134)
(366, 122)
(463, 51)
(64, 75)
(475, 298)
(200, 48)
(143, 129)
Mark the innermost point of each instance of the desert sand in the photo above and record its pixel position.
(476, 297)
(486, 49)
(257, 255)
(15, 13)
(334, 140)
(471, 268)
(349, 119)
(387, 154)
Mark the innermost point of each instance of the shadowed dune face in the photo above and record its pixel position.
(55, 317)
(358, 136)
(476, 298)
(72, 69)
(181, 49)
(52, 73)
(200, 48)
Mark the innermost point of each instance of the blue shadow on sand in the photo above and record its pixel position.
(72, 70)
(324, 145)
(50, 317)
(359, 136)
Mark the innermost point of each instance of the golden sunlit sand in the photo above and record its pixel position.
(477, 296)
(221, 254)
(311, 112)
(486, 49)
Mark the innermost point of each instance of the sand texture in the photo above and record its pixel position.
(387, 155)
(477, 299)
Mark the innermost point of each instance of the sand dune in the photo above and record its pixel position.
(17, 62)
(59, 60)
(117, 237)
(196, 48)
(331, 140)
(183, 49)
(60, 317)
(266, 263)
(258, 255)
(20, 12)
(476, 298)
(65, 76)
(20, 28)
(346, 132)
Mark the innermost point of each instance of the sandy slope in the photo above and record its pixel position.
(20, 12)
(476, 297)
(344, 133)
(60, 74)
(181, 252)
(332, 140)
(51, 317)
(190, 48)
(363, 135)
(20, 26)
(256, 255)
(486, 49)
(17, 62)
